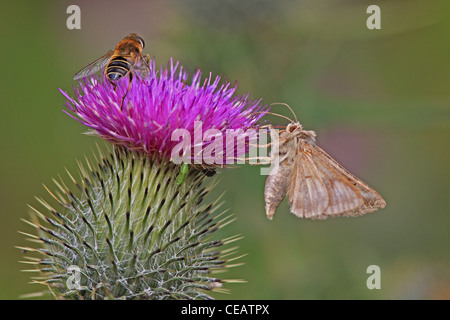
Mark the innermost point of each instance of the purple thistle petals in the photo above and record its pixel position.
(157, 105)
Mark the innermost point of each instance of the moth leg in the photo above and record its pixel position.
(276, 141)
(264, 145)
(264, 160)
(266, 126)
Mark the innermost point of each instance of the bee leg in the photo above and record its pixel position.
(113, 83)
(130, 75)
(115, 87)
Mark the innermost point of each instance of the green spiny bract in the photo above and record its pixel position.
(129, 231)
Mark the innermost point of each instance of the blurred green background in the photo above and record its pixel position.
(379, 101)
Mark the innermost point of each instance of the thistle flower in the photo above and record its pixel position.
(127, 229)
(155, 107)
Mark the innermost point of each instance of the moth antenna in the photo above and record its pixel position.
(286, 105)
(272, 113)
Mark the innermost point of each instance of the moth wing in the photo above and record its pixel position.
(318, 189)
(371, 199)
(277, 185)
(94, 66)
(308, 195)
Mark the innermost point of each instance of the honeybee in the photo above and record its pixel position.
(124, 60)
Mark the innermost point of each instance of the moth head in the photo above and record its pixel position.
(294, 128)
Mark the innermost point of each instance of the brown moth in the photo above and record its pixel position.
(317, 186)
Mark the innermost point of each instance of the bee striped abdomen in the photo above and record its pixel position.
(117, 68)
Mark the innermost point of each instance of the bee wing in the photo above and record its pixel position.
(143, 64)
(320, 187)
(94, 66)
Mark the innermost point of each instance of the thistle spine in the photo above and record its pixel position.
(131, 230)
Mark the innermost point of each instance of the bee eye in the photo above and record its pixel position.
(142, 42)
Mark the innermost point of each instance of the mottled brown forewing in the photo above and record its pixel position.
(371, 199)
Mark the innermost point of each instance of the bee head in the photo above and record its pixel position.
(139, 39)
